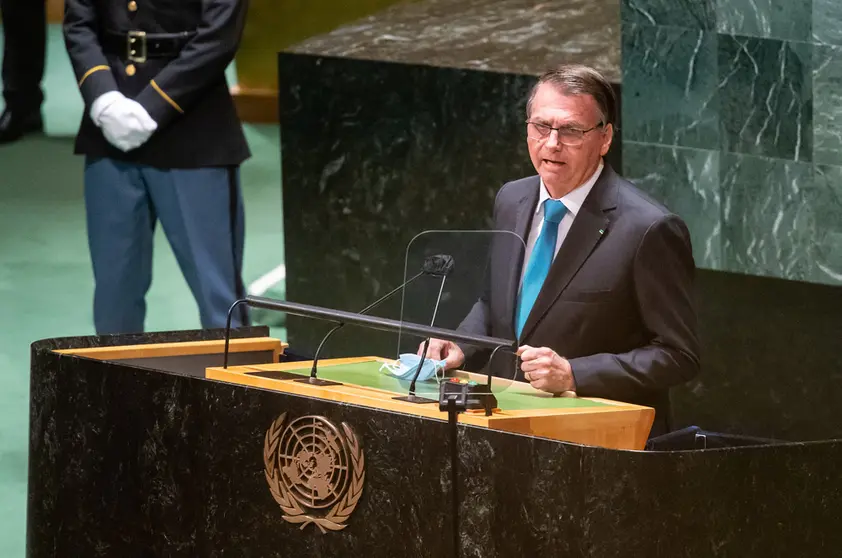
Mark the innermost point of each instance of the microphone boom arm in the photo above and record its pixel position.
(374, 322)
(337, 327)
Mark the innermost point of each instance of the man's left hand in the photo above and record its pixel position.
(545, 370)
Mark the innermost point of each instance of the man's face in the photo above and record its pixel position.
(564, 167)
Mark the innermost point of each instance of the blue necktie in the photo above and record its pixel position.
(539, 261)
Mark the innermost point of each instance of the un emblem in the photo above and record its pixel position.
(315, 472)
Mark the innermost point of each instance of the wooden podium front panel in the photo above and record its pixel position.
(188, 357)
(186, 348)
(522, 409)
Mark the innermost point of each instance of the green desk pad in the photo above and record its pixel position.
(512, 398)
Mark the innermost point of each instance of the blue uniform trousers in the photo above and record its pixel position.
(201, 211)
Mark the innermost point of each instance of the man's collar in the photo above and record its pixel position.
(574, 199)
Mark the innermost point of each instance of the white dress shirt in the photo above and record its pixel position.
(572, 201)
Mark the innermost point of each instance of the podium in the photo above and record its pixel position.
(144, 445)
(521, 409)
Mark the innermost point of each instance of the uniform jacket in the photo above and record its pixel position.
(188, 45)
(618, 301)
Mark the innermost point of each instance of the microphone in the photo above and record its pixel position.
(441, 266)
(433, 265)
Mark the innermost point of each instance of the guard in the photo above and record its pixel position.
(24, 51)
(162, 141)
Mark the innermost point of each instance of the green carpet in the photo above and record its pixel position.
(46, 284)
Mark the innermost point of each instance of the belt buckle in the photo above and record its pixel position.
(137, 46)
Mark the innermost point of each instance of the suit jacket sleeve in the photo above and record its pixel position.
(80, 27)
(200, 63)
(663, 282)
(478, 322)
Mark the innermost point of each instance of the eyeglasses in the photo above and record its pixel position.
(566, 135)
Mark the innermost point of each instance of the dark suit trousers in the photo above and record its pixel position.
(24, 50)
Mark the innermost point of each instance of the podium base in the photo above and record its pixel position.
(415, 399)
(317, 382)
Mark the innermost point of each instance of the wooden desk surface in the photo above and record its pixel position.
(590, 421)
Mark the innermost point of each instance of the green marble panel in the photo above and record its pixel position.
(670, 86)
(687, 182)
(765, 97)
(781, 219)
(828, 231)
(771, 19)
(732, 117)
(692, 14)
(827, 22)
(827, 104)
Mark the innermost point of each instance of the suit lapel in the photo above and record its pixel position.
(588, 228)
(524, 212)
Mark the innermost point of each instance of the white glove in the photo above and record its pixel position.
(124, 122)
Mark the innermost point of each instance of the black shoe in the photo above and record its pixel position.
(16, 124)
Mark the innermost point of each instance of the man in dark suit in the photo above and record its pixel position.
(24, 52)
(161, 140)
(601, 299)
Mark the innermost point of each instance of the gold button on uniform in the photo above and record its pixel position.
(132, 6)
(130, 70)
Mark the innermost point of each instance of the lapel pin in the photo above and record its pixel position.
(601, 231)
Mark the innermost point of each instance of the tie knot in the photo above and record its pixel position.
(554, 211)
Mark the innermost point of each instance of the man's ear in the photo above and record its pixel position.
(607, 138)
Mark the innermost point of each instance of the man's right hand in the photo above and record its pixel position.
(447, 351)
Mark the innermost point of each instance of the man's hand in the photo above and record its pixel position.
(545, 370)
(447, 351)
(124, 122)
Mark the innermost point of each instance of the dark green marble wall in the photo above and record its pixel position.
(733, 117)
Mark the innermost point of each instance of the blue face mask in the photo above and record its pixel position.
(405, 367)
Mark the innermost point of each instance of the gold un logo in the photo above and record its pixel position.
(315, 472)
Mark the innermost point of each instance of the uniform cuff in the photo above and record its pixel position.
(160, 106)
(96, 82)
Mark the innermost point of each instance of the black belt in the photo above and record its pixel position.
(139, 46)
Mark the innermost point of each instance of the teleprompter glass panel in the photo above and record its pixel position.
(446, 308)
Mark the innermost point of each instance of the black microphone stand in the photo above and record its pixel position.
(456, 399)
(412, 398)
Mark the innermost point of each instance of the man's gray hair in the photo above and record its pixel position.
(576, 79)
